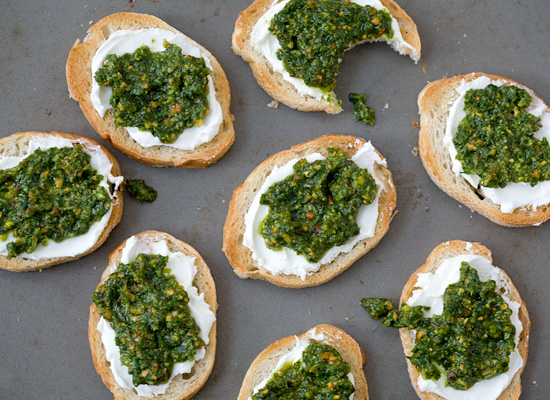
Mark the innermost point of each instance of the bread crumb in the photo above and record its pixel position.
(386, 106)
(309, 313)
(465, 35)
(414, 151)
(415, 124)
(90, 23)
(273, 104)
(18, 320)
(223, 201)
(425, 69)
(534, 382)
(435, 23)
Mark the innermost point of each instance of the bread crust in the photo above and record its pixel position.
(267, 360)
(273, 83)
(240, 256)
(79, 80)
(434, 103)
(16, 145)
(179, 388)
(437, 256)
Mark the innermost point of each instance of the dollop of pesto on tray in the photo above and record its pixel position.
(316, 207)
(320, 374)
(163, 92)
(313, 35)
(140, 190)
(362, 111)
(495, 140)
(471, 341)
(149, 312)
(51, 194)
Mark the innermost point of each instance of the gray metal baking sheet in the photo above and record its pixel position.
(44, 352)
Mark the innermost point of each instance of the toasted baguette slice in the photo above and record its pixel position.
(240, 255)
(434, 103)
(274, 84)
(262, 367)
(17, 145)
(437, 256)
(180, 388)
(79, 80)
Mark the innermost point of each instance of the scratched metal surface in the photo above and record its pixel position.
(44, 349)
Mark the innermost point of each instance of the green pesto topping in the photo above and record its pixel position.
(471, 341)
(149, 312)
(313, 35)
(321, 374)
(315, 208)
(495, 140)
(140, 190)
(52, 194)
(163, 92)
(362, 112)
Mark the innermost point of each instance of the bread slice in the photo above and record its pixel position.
(79, 81)
(240, 255)
(262, 367)
(434, 103)
(437, 256)
(274, 84)
(181, 387)
(17, 145)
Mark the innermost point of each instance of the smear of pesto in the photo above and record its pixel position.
(362, 112)
(140, 190)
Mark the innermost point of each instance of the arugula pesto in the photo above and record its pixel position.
(140, 190)
(313, 35)
(362, 112)
(315, 208)
(471, 341)
(149, 312)
(495, 140)
(320, 374)
(51, 194)
(163, 92)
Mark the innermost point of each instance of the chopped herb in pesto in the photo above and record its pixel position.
(471, 341)
(495, 140)
(140, 190)
(163, 92)
(315, 208)
(313, 35)
(52, 194)
(362, 112)
(320, 374)
(149, 312)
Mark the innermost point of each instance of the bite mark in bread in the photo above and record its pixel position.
(274, 83)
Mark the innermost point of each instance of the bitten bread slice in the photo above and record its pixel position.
(437, 256)
(264, 364)
(79, 80)
(17, 145)
(434, 103)
(180, 387)
(274, 84)
(240, 256)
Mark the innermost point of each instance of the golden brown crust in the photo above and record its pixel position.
(240, 256)
(180, 388)
(437, 256)
(267, 360)
(434, 102)
(79, 81)
(273, 83)
(17, 144)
